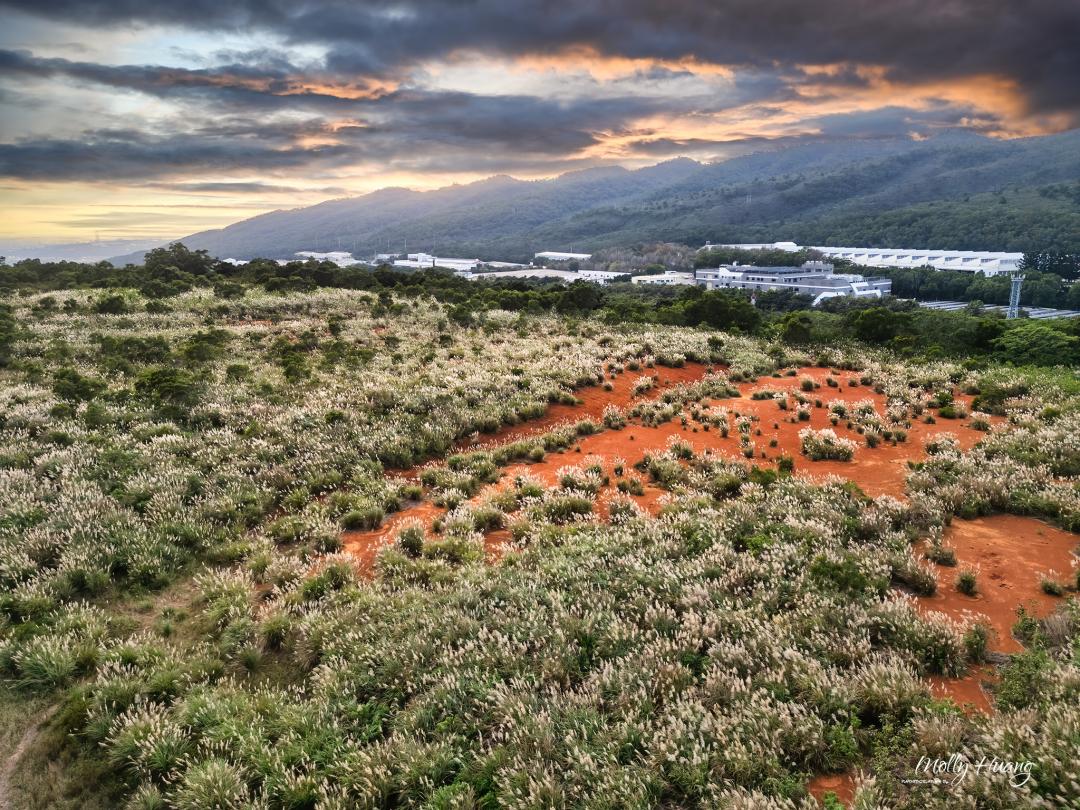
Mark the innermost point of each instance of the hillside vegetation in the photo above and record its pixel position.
(289, 539)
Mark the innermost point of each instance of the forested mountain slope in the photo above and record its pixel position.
(953, 191)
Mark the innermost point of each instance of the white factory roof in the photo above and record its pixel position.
(342, 258)
(427, 260)
(990, 262)
(556, 256)
(667, 277)
(532, 272)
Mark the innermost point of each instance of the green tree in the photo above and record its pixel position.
(172, 389)
(879, 325)
(581, 296)
(70, 384)
(111, 305)
(719, 309)
(9, 332)
(166, 262)
(795, 327)
(1037, 344)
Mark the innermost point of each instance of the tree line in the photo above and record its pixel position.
(893, 323)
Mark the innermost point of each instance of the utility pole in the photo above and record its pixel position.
(1014, 296)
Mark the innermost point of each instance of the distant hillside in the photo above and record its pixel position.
(73, 251)
(952, 191)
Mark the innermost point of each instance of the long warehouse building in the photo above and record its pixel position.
(989, 263)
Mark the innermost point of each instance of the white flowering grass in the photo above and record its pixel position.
(716, 656)
(825, 445)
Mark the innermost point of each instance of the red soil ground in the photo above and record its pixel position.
(1011, 552)
(1011, 555)
(878, 471)
(842, 784)
(593, 401)
(966, 692)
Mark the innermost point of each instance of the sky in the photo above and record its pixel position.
(156, 118)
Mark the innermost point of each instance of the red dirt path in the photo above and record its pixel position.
(593, 401)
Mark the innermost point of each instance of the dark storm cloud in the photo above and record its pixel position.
(264, 84)
(362, 101)
(125, 155)
(1032, 43)
(533, 122)
(241, 187)
(883, 122)
(232, 125)
(408, 129)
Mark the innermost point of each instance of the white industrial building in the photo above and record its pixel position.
(813, 278)
(989, 263)
(339, 257)
(556, 256)
(668, 277)
(601, 276)
(568, 276)
(419, 260)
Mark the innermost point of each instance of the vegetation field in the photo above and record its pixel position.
(284, 545)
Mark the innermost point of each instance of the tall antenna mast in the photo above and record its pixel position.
(1014, 296)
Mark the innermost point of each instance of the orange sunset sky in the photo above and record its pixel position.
(154, 119)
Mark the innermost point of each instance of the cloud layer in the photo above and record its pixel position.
(239, 97)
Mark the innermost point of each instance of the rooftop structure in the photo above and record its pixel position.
(989, 263)
(418, 260)
(341, 258)
(1036, 313)
(789, 246)
(668, 277)
(601, 276)
(530, 272)
(813, 278)
(556, 256)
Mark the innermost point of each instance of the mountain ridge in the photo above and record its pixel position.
(860, 191)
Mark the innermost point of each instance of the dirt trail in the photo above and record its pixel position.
(364, 545)
(12, 762)
(966, 692)
(1011, 555)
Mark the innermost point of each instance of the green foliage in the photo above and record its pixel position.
(1022, 680)
(114, 304)
(967, 582)
(879, 325)
(1038, 344)
(842, 575)
(747, 631)
(172, 389)
(70, 384)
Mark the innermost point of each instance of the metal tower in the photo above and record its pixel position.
(1014, 296)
